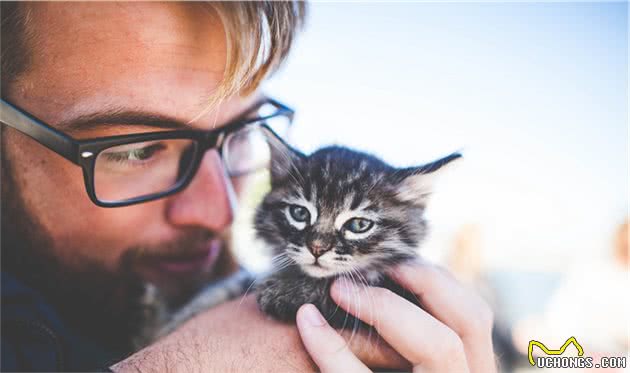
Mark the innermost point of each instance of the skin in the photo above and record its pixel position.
(451, 334)
(102, 55)
(138, 58)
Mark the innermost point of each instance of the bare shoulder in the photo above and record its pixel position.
(235, 336)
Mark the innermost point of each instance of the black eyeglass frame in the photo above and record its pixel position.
(84, 152)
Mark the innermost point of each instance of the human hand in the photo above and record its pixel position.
(451, 334)
(237, 337)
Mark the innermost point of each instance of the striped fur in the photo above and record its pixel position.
(335, 185)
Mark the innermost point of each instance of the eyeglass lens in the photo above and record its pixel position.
(143, 169)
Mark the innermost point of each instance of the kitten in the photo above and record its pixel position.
(338, 212)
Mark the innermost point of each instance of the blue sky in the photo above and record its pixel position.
(535, 94)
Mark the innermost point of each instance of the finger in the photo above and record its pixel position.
(327, 348)
(415, 334)
(455, 305)
(373, 351)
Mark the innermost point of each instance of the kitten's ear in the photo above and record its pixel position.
(415, 184)
(285, 161)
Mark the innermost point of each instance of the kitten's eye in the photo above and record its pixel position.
(299, 213)
(359, 225)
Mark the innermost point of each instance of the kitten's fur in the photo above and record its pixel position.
(334, 185)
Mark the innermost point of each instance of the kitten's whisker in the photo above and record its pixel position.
(283, 259)
(372, 304)
(279, 256)
(256, 279)
(357, 317)
(347, 274)
(333, 313)
(355, 271)
(294, 287)
(284, 153)
(284, 265)
(280, 261)
(345, 319)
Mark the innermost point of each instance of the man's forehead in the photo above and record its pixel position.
(111, 120)
(161, 58)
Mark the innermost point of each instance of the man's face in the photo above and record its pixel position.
(161, 58)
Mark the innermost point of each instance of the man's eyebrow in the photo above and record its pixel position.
(123, 117)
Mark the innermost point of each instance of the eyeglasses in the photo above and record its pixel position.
(128, 169)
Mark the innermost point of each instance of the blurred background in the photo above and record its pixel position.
(536, 97)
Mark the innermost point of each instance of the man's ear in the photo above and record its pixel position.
(285, 161)
(415, 184)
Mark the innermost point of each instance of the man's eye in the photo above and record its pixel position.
(359, 225)
(135, 154)
(299, 213)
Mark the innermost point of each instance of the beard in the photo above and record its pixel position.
(116, 308)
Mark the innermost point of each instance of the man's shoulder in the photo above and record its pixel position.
(34, 338)
(20, 302)
(30, 329)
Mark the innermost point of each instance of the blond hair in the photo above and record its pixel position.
(259, 36)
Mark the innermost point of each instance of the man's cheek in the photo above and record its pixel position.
(103, 235)
(51, 186)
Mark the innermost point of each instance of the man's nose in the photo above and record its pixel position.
(208, 201)
(319, 247)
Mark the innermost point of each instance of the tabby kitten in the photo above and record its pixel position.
(338, 212)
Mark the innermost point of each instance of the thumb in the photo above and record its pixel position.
(327, 348)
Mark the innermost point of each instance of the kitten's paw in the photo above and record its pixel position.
(276, 303)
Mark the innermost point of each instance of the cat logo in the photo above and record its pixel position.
(580, 361)
(553, 360)
(547, 351)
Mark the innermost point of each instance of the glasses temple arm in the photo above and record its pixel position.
(46, 135)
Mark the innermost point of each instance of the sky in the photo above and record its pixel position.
(534, 94)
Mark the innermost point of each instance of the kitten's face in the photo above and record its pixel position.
(339, 211)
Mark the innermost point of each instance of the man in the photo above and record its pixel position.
(86, 225)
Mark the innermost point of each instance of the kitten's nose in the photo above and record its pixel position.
(318, 248)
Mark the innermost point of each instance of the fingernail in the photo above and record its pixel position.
(312, 315)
